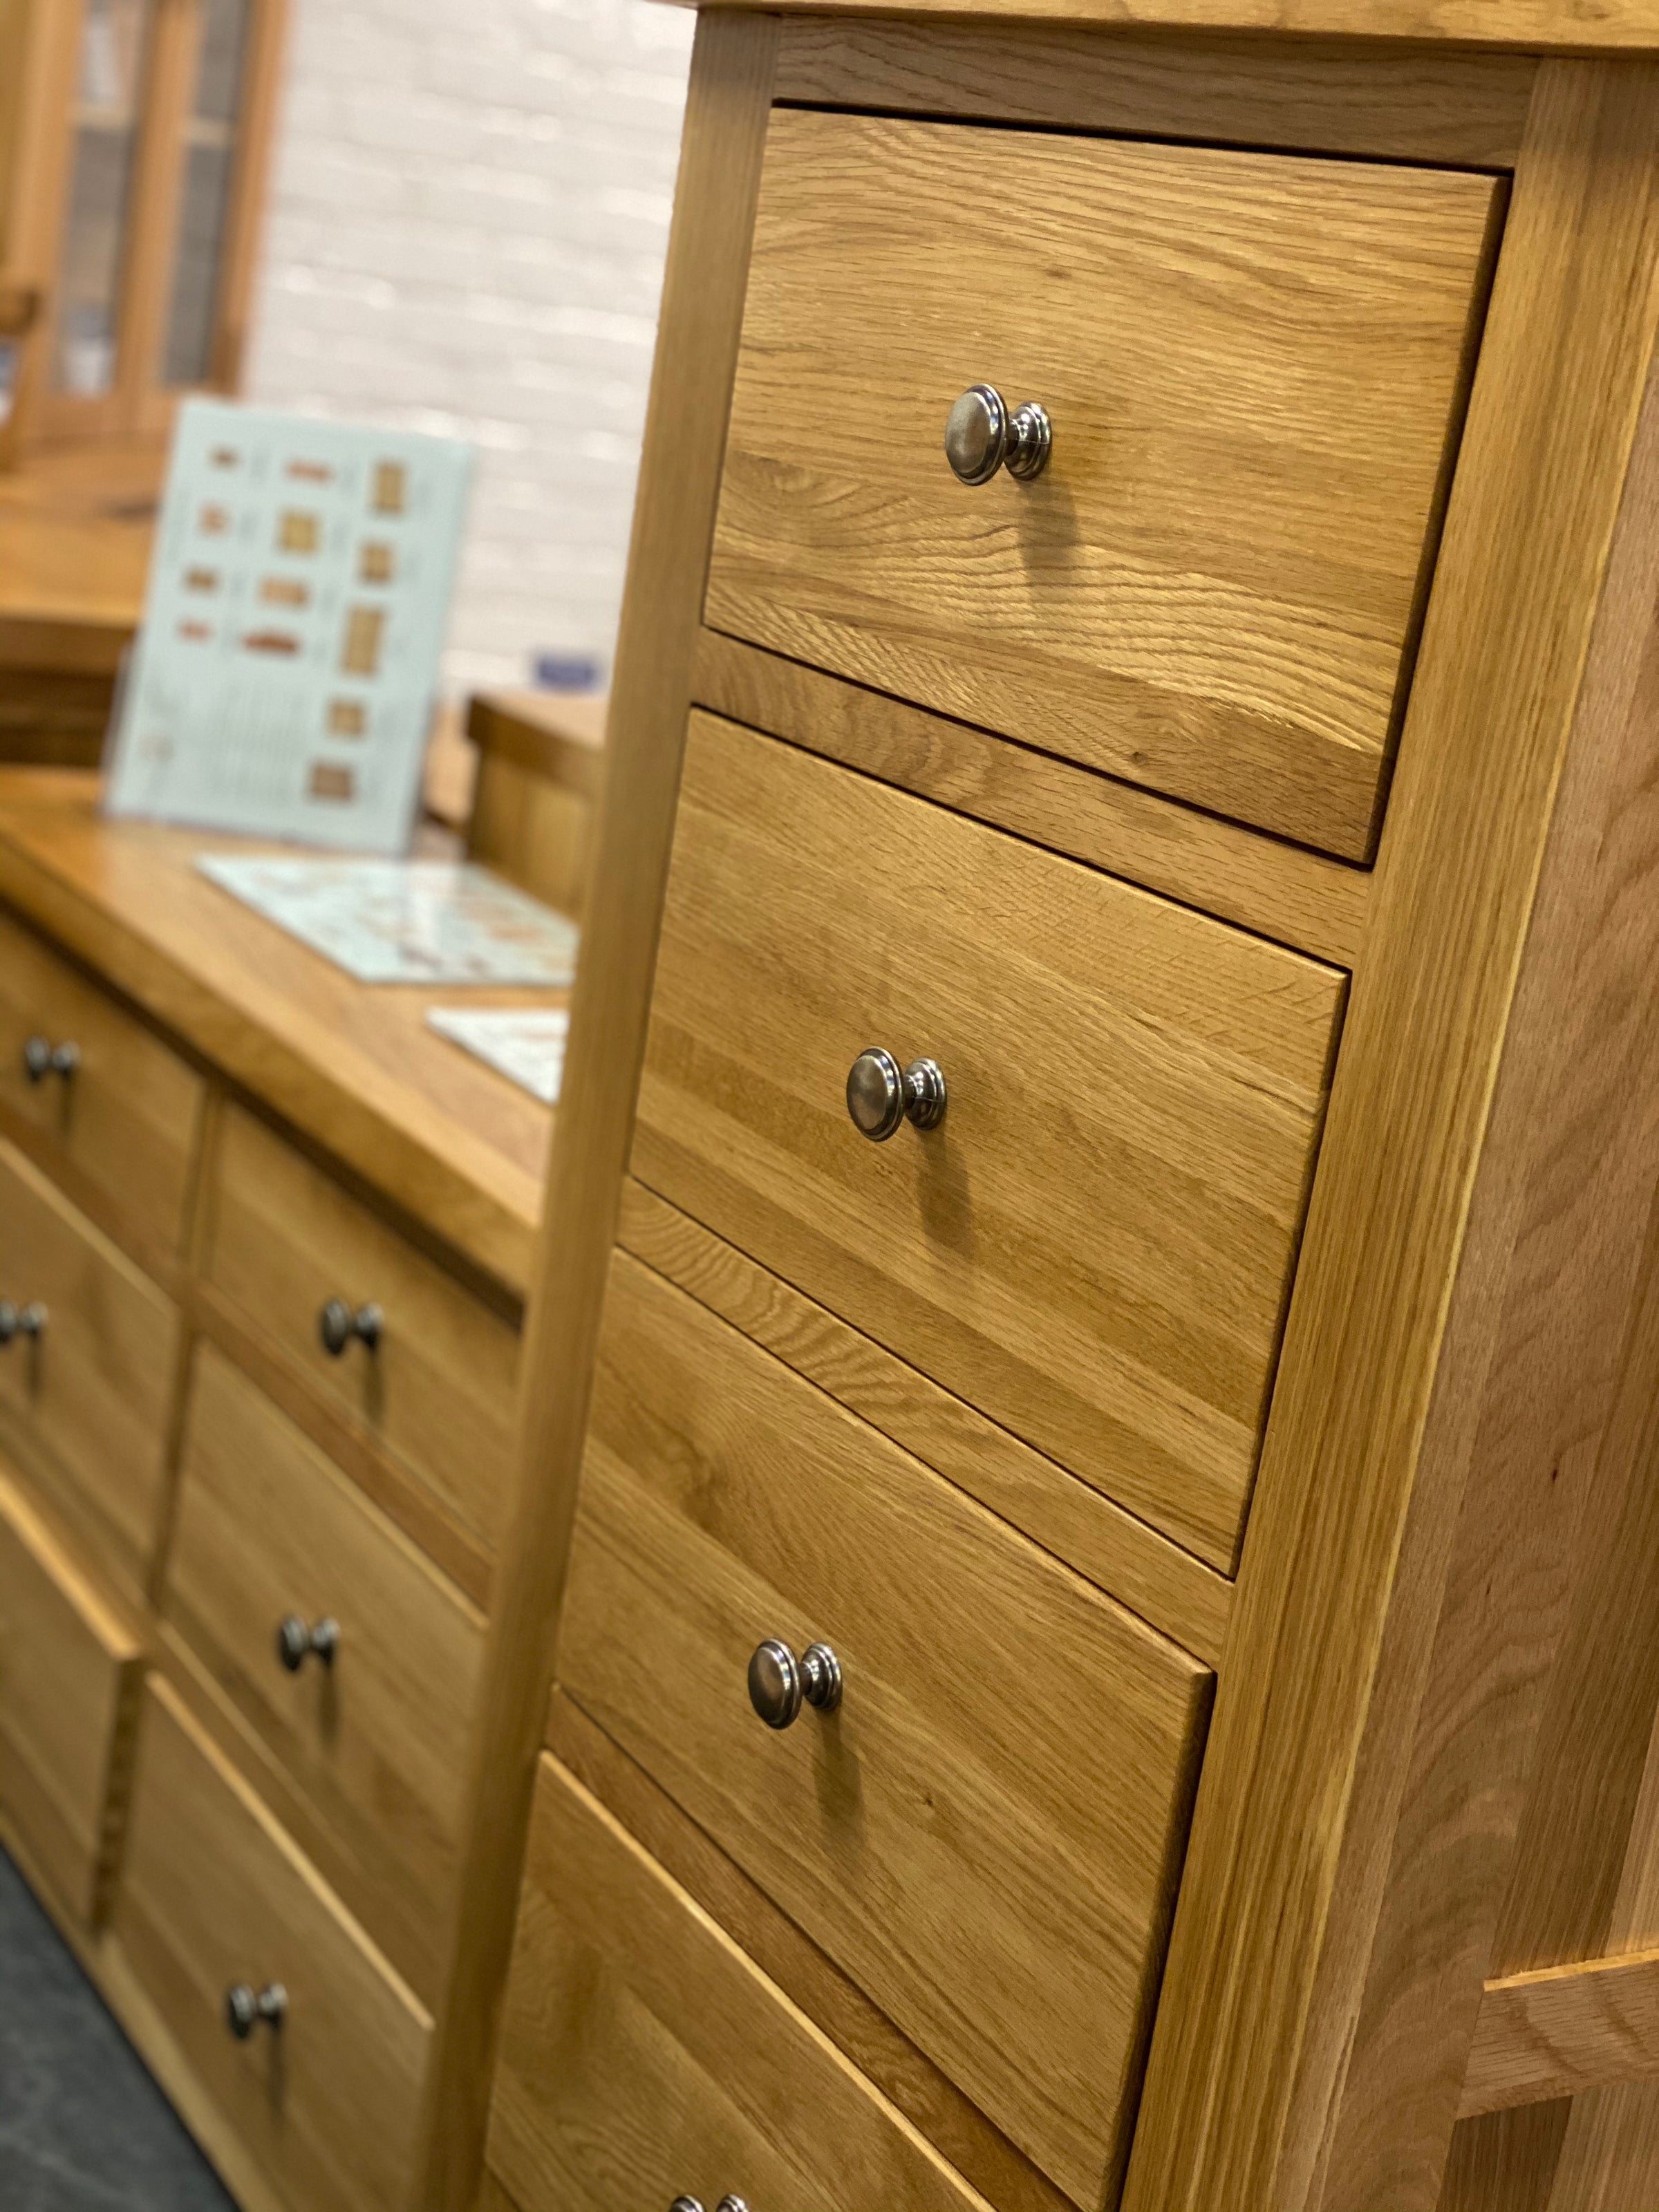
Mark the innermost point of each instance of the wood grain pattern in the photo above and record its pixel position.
(214, 1892)
(644, 2056)
(1188, 1601)
(995, 1866)
(540, 761)
(458, 1148)
(84, 1405)
(1094, 1246)
(1610, 2151)
(1552, 2033)
(1508, 2160)
(70, 1669)
(1278, 891)
(1255, 367)
(281, 1237)
(1613, 26)
(128, 1117)
(1314, 2030)
(726, 108)
(954, 2125)
(377, 1739)
(1422, 105)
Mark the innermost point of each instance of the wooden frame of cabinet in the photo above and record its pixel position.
(137, 403)
(1428, 1596)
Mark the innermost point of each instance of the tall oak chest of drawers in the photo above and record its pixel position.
(1087, 1504)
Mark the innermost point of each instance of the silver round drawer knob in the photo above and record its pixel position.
(338, 1324)
(295, 1642)
(983, 434)
(881, 1094)
(42, 1057)
(26, 1320)
(246, 2006)
(779, 1684)
(732, 2205)
(686, 2204)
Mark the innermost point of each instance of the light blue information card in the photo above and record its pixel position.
(283, 679)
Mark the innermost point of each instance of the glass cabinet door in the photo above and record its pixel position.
(115, 47)
(167, 108)
(204, 197)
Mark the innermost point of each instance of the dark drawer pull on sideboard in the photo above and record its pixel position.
(42, 1057)
(295, 1642)
(245, 2007)
(881, 1094)
(338, 1323)
(779, 1684)
(28, 1320)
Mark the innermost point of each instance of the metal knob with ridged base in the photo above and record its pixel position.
(881, 1095)
(339, 1324)
(779, 1684)
(246, 2008)
(982, 434)
(296, 1643)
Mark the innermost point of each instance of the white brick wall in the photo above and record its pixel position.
(469, 210)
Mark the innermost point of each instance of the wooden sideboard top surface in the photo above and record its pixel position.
(1563, 27)
(352, 1066)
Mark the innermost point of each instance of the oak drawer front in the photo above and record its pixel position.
(87, 1371)
(214, 1896)
(283, 1240)
(987, 1834)
(1252, 365)
(70, 1671)
(119, 1104)
(644, 2057)
(1095, 1245)
(374, 1722)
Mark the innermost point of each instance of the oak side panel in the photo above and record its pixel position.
(724, 131)
(1410, 1261)
(1508, 2160)
(1610, 2154)
(1280, 890)
(1438, 106)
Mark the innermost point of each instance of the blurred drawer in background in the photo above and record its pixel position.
(986, 1832)
(373, 1719)
(215, 1899)
(87, 1368)
(540, 765)
(1252, 365)
(70, 1671)
(397, 1344)
(644, 2058)
(96, 1086)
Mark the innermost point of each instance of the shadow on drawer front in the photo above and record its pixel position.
(644, 2058)
(69, 1686)
(986, 1831)
(369, 1703)
(1252, 367)
(88, 1347)
(1094, 1246)
(321, 2074)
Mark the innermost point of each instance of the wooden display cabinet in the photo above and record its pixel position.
(133, 144)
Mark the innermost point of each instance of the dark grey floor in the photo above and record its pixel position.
(82, 2127)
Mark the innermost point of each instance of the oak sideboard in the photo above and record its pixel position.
(1088, 1493)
